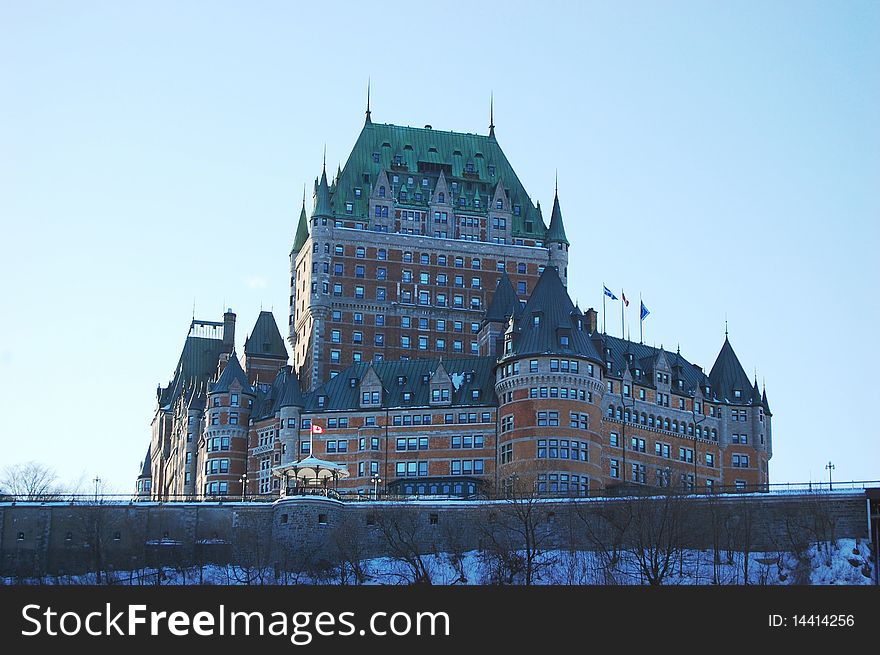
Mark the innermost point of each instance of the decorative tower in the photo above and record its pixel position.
(557, 243)
(549, 384)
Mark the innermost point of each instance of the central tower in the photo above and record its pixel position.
(405, 246)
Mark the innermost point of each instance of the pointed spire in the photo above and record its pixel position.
(302, 228)
(322, 194)
(764, 402)
(556, 231)
(491, 115)
(368, 120)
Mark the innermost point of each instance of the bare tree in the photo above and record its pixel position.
(403, 536)
(31, 481)
(516, 533)
(349, 548)
(652, 531)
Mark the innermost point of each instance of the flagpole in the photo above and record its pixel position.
(603, 308)
(622, 304)
(641, 321)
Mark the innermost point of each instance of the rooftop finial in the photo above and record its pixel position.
(325, 157)
(556, 184)
(492, 114)
(369, 120)
(725, 327)
(304, 195)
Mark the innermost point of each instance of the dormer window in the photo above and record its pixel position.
(737, 394)
(357, 192)
(407, 396)
(382, 191)
(499, 204)
(397, 160)
(349, 208)
(638, 372)
(233, 400)
(375, 157)
(425, 378)
(469, 168)
(564, 341)
(508, 346)
(401, 380)
(441, 197)
(477, 201)
(536, 320)
(352, 382)
(322, 401)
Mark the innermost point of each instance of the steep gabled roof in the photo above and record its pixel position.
(504, 301)
(400, 149)
(231, 372)
(727, 375)
(265, 339)
(197, 364)
(322, 197)
(548, 316)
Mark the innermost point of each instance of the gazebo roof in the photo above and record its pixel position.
(312, 468)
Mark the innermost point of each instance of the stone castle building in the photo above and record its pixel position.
(434, 343)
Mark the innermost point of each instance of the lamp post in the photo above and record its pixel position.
(97, 480)
(697, 423)
(830, 468)
(243, 480)
(375, 480)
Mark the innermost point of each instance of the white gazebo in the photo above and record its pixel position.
(310, 476)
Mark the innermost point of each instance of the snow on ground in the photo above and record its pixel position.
(845, 562)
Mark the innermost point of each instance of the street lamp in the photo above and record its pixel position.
(96, 481)
(376, 480)
(243, 480)
(830, 468)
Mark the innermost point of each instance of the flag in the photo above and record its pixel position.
(317, 429)
(625, 301)
(644, 313)
(609, 294)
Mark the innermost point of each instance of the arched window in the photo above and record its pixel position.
(610, 411)
(381, 191)
(666, 424)
(651, 421)
(675, 426)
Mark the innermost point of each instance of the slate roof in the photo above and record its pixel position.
(504, 301)
(557, 317)
(765, 403)
(265, 340)
(727, 374)
(197, 364)
(645, 358)
(378, 144)
(473, 373)
(231, 372)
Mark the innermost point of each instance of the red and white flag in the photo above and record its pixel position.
(317, 429)
(625, 301)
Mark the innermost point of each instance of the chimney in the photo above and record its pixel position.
(592, 320)
(228, 331)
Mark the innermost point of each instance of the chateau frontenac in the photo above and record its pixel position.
(432, 349)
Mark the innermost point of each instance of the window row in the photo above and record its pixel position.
(661, 423)
(563, 483)
(565, 393)
(563, 449)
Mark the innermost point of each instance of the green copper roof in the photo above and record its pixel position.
(322, 197)
(556, 231)
(302, 231)
(474, 161)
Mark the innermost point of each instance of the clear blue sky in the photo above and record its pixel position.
(720, 158)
